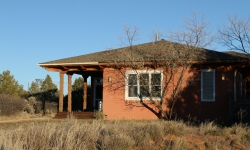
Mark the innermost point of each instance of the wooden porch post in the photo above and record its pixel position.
(85, 91)
(61, 92)
(69, 92)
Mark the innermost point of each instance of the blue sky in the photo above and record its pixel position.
(33, 32)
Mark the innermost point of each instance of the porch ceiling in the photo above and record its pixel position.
(75, 68)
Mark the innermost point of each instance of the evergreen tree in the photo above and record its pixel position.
(9, 86)
(77, 88)
(49, 91)
(77, 94)
(44, 90)
(47, 84)
(78, 84)
(34, 88)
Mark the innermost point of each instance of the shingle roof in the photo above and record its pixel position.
(145, 51)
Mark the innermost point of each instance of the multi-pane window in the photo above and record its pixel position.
(143, 84)
(208, 85)
(132, 85)
(156, 84)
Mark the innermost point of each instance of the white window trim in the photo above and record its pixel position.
(202, 99)
(137, 72)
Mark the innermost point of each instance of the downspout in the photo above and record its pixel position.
(235, 74)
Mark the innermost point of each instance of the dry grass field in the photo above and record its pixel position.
(73, 134)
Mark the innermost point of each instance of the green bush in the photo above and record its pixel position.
(10, 105)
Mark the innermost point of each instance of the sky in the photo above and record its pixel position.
(32, 31)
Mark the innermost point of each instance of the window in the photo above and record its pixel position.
(132, 85)
(143, 84)
(208, 85)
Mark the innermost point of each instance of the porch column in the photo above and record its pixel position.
(61, 92)
(85, 91)
(69, 92)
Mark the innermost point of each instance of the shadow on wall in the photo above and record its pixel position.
(191, 107)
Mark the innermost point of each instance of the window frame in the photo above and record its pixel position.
(138, 72)
(202, 90)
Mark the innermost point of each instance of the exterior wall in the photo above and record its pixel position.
(189, 106)
(114, 104)
(239, 86)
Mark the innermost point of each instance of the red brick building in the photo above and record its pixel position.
(220, 81)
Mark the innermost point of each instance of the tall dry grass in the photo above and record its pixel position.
(123, 134)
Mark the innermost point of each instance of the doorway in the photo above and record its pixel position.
(98, 92)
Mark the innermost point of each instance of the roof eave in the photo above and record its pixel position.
(67, 64)
(190, 61)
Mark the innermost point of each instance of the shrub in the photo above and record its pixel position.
(140, 135)
(174, 127)
(99, 115)
(208, 128)
(112, 138)
(32, 101)
(50, 107)
(29, 109)
(155, 130)
(10, 105)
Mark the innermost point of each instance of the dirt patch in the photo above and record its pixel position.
(203, 142)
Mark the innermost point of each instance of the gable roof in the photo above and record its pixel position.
(146, 51)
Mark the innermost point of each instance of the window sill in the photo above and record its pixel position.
(138, 99)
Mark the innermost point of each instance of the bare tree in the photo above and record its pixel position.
(236, 35)
(155, 73)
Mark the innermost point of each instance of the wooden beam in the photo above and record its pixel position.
(71, 68)
(65, 68)
(102, 66)
(85, 92)
(82, 67)
(69, 92)
(86, 69)
(61, 92)
(52, 69)
(92, 69)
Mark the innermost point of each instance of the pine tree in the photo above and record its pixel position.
(77, 94)
(48, 84)
(34, 88)
(49, 91)
(9, 86)
(78, 84)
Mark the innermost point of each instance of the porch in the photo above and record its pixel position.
(91, 100)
